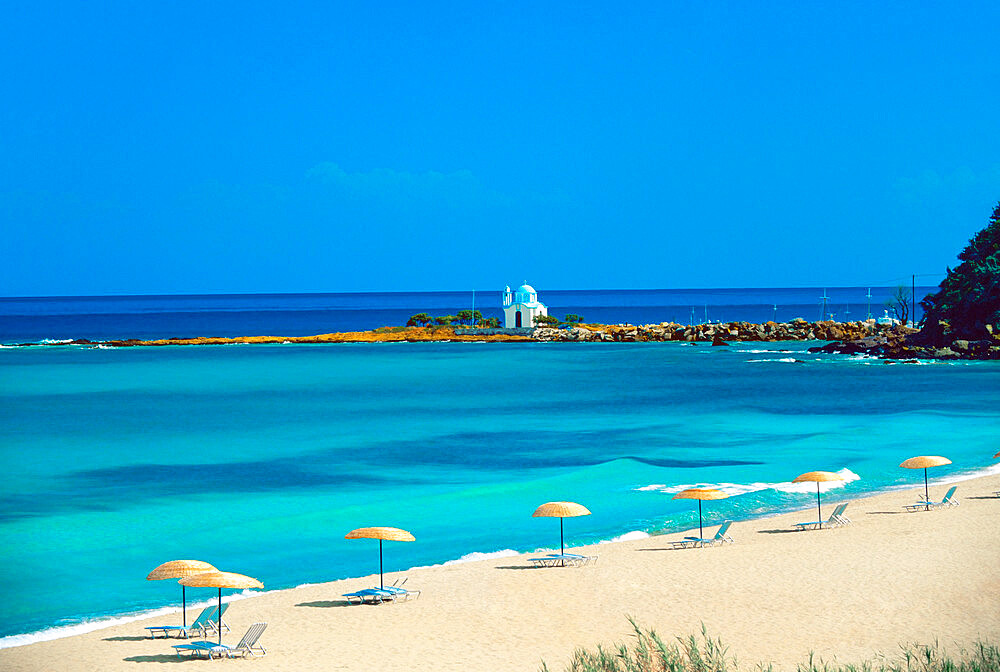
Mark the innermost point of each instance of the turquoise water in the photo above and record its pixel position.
(259, 459)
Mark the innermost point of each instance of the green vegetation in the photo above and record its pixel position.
(419, 320)
(470, 317)
(649, 653)
(572, 318)
(969, 297)
(546, 321)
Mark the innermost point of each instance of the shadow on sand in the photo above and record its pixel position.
(515, 567)
(326, 604)
(158, 658)
(136, 638)
(780, 530)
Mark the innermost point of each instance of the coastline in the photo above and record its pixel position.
(620, 560)
(716, 333)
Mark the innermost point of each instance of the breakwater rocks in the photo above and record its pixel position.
(908, 344)
(715, 333)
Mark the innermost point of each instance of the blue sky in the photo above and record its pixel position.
(263, 147)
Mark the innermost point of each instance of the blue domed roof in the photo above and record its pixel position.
(526, 289)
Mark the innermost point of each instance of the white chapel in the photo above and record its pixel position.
(521, 307)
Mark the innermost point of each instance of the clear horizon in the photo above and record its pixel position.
(458, 291)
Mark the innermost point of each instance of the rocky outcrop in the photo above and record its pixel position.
(906, 344)
(715, 333)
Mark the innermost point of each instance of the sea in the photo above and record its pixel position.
(260, 458)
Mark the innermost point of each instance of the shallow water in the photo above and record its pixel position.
(259, 459)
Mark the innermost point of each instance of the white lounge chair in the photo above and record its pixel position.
(949, 500)
(247, 647)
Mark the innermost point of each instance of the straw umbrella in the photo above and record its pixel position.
(818, 477)
(380, 533)
(700, 494)
(178, 569)
(560, 510)
(923, 462)
(220, 580)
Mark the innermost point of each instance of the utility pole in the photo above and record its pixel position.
(692, 315)
(473, 308)
(706, 313)
(913, 299)
(868, 311)
(822, 315)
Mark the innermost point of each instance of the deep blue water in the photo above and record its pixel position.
(260, 458)
(100, 318)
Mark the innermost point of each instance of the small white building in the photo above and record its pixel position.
(521, 307)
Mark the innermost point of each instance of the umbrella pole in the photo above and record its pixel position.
(701, 532)
(562, 547)
(220, 617)
(381, 581)
(927, 493)
(184, 606)
(819, 507)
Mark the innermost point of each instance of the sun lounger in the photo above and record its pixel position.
(563, 560)
(369, 596)
(200, 625)
(949, 500)
(212, 625)
(397, 590)
(721, 537)
(832, 521)
(841, 518)
(247, 647)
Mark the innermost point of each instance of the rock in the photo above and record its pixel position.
(718, 340)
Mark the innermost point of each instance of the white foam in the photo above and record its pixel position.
(763, 351)
(628, 536)
(476, 556)
(55, 341)
(779, 359)
(736, 489)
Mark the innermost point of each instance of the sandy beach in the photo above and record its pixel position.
(774, 596)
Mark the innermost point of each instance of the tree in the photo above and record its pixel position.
(545, 321)
(465, 316)
(969, 297)
(445, 319)
(899, 304)
(419, 320)
(573, 318)
(491, 322)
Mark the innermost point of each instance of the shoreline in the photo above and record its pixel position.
(615, 545)
(716, 333)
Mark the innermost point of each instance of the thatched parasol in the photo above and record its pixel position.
(220, 580)
(923, 462)
(178, 569)
(561, 510)
(380, 533)
(701, 494)
(818, 477)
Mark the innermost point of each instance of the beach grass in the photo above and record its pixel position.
(648, 652)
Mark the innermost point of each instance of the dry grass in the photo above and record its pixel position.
(648, 652)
